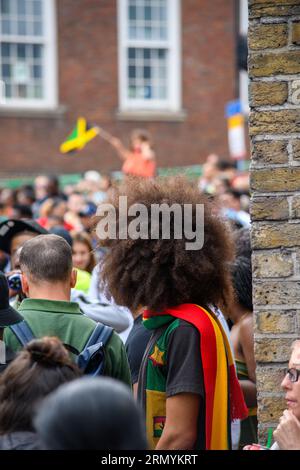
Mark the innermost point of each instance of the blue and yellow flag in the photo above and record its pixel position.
(80, 136)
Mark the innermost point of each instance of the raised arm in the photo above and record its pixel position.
(122, 151)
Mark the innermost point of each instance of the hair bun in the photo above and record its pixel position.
(48, 351)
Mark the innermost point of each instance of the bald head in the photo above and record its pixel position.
(46, 258)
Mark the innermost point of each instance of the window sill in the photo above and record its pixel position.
(170, 116)
(46, 113)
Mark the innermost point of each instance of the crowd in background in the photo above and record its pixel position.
(68, 211)
(30, 213)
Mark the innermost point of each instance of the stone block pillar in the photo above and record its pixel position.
(274, 126)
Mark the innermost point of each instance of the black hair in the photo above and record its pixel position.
(40, 368)
(91, 414)
(242, 243)
(234, 193)
(224, 165)
(242, 282)
(24, 211)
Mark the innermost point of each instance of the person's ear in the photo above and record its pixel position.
(73, 278)
(25, 284)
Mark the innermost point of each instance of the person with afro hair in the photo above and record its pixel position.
(188, 386)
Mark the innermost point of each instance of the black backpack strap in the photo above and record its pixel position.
(101, 334)
(23, 332)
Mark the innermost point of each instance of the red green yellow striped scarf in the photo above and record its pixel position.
(218, 370)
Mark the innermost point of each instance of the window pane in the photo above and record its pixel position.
(161, 54)
(163, 33)
(6, 29)
(132, 32)
(37, 8)
(5, 49)
(163, 13)
(162, 72)
(21, 7)
(140, 12)
(37, 28)
(147, 19)
(162, 93)
(38, 92)
(131, 53)
(5, 6)
(22, 91)
(29, 48)
(132, 92)
(155, 13)
(21, 51)
(148, 15)
(132, 13)
(8, 90)
(132, 72)
(21, 65)
(37, 51)
(147, 92)
(140, 33)
(37, 71)
(21, 72)
(148, 32)
(147, 72)
(139, 54)
(22, 28)
(140, 93)
(6, 71)
(155, 33)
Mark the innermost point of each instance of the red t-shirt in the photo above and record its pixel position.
(136, 165)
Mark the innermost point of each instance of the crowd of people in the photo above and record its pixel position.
(164, 334)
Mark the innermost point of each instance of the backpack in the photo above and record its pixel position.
(91, 360)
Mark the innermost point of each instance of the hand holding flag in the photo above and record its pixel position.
(80, 136)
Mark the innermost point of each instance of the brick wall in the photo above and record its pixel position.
(274, 66)
(88, 85)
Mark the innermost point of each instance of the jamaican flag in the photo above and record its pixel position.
(80, 136)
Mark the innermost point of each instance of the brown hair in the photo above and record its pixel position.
(143, 135)
(86, 240)
(39, 368)
(162, 273)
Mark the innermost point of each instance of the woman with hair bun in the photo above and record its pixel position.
(39, 368)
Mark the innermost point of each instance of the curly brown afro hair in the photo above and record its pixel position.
(161, 273)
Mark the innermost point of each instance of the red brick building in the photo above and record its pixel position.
(166, 65)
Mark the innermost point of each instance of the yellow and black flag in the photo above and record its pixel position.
(80, 136)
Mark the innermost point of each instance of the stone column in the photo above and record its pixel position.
(274, 70)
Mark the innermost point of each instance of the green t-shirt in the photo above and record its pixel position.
(66, 321)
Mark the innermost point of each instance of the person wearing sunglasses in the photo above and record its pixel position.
(287, 433)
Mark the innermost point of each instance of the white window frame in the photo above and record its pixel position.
(50, 79)
(172, 44)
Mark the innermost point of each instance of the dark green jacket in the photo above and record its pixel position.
(65, 320)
